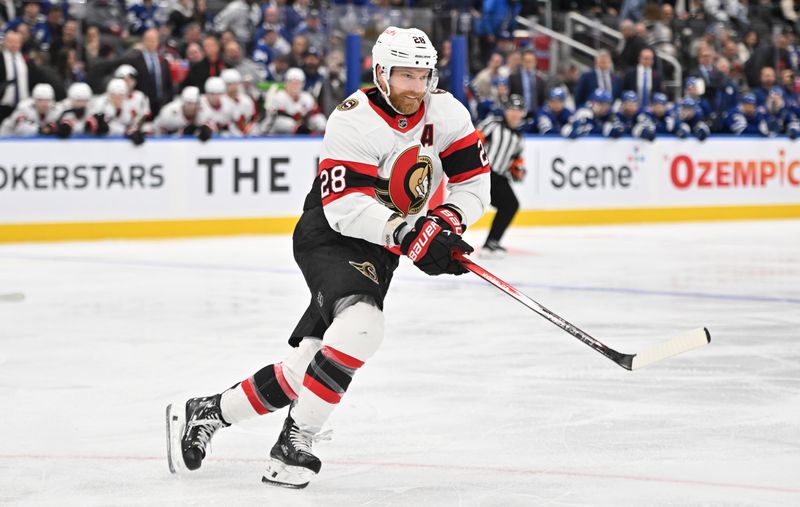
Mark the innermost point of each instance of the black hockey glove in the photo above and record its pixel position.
(190, 130)
(432, 248)
(136, 137)
(204, 133)
(448, 218)
(100, 124)
(63, 130)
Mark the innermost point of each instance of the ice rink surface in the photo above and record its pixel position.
(473, 400)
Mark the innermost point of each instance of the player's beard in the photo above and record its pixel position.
(404, 104)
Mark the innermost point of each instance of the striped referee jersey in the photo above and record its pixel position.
(502, 144)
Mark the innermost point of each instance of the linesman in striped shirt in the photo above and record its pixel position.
(503, 143)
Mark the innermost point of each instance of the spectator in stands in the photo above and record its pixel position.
(314, 71)
(152, 71)
(767, 82)
(632, 46)
(68, 38)
(632, 10)
(143, 16)
(107, 16)
(91, 46)
(495, 21)
(513, 63)
(194, 53)
(33, 116)
(295, 14)
(788, 83)
(601, 76)
(250, 71)
(272, 21)
(730, 51)
(184, 13)
(210, 66)
(726, 11)
(55, 28)
(240, 17)
(298, 52)
(664, 30)
(35, 22)
(643, 79)
(276, 70)
(554, 115)
(191, 35)
(312, 30)
(333, 87)
(482, 84)
(528, 84)
(269, 46)
(69, 68)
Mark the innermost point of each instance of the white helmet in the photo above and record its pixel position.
(79, 91)
(403, 47)
(231, 76)
(295, 74)
(190, 94)
(43, 91)
(215, 85)
(125, 70)
(117, 87)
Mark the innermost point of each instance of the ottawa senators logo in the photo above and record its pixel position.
(347, 105)
(366, 269)
(409, 184)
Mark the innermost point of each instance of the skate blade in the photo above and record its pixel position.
(176, 423)
(286, 476)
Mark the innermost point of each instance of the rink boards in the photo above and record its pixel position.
(89, 188)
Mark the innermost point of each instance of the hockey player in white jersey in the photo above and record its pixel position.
(33, 116)
(292, 110)
(73, 116)
(218, 108)
(182, 117)
(111, 106)
(244, 109)
(135, 100)
(385, 151)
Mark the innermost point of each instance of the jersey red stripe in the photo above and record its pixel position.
(249, 391)
(341, 357)
(287, 389)
(359, 167)
(458, 178)
(320, 390)
(370, 191)
(462, 143)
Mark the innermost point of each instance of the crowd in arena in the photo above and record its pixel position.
(244, 67)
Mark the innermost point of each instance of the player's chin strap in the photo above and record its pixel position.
(386, 95)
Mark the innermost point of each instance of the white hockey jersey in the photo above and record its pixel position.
(66, 112)
(26, 120)
(172, 120)
(244, 111)
(286, 114)
(119, 120)
(376, 163)
(222, 118)
(138, 103)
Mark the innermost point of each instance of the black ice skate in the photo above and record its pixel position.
(291, 463)
(189, 432)
(492, 250)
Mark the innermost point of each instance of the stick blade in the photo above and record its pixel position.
(678, 345)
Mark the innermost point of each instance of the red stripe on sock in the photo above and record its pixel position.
(249, 391)
(322, 391)
(287, 389)
(341, 357)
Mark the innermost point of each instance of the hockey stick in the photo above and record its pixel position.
(679, 344)
(12, 297)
